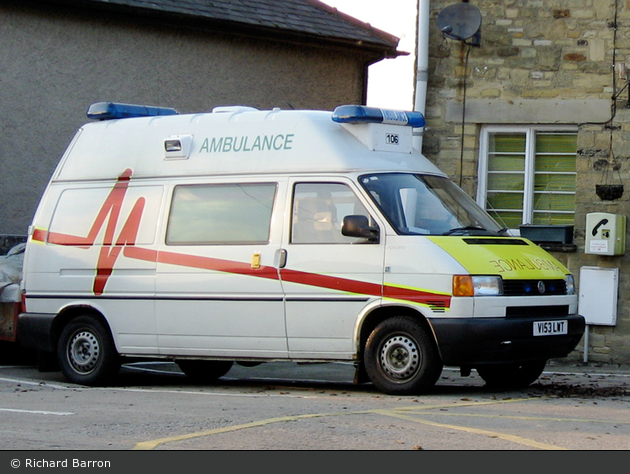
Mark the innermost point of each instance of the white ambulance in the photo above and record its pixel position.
(249, 236)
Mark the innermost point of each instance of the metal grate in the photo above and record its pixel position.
(536, 311)
(534, 287)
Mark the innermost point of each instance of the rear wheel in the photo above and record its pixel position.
(401, 358)
(86, 352)
(511, 375)
(204, 370)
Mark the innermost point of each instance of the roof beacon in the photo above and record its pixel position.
(114, 110)
(363, 114)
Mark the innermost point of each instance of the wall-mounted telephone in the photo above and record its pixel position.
(605, 234)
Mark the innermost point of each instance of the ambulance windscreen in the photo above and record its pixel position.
(427, 205)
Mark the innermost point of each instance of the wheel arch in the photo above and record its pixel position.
(69, 313)
(379, 314)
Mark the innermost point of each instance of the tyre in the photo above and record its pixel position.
(204, 370)
(401, 358)
(86, 352)
(511, 375)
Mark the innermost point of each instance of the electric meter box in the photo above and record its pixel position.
(605, 234)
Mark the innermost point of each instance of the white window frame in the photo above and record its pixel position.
(530, 133)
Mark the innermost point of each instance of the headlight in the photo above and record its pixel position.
(477, 285)
(570, 282)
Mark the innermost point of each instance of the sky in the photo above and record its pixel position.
(390, 81)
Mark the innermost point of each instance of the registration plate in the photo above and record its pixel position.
(550, 328)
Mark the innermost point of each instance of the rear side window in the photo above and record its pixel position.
(106, 216)
(221, 214)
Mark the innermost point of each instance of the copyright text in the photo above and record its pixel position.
(63, 463)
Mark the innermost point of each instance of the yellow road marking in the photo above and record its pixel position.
(396, 413)
(492, 434)
(530, 418)
(468, 404)
(148, 445)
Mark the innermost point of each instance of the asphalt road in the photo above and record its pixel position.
(286, 406)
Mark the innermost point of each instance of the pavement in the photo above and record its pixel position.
(581, 367)
(571, 378)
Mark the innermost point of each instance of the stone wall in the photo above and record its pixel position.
(543, 62)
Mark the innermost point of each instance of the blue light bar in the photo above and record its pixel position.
(114, 110)
(363, 114)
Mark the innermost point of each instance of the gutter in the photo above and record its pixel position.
(422, 65)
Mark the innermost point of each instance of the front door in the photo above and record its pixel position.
(328, 279)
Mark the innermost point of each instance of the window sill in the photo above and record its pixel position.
(557, 247)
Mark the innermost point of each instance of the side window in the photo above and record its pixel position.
(100, 216)
(318, 212)
(221, 214)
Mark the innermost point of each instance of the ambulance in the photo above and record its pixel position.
(247, 236)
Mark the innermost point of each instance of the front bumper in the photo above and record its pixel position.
(476, 341)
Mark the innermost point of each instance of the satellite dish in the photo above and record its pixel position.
(460, 21)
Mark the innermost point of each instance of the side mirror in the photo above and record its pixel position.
(359, 226)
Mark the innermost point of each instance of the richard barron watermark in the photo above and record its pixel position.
(44, 463)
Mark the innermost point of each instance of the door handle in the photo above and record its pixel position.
(282, 258)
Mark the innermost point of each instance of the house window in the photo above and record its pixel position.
(527, 175)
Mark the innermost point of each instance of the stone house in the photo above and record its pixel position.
(59, 56)
(531, 122)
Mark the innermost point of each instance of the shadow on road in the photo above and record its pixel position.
(280, 377)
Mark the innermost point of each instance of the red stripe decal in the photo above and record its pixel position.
(216, 264)
(333, 283)
(417, 296)
(112, 247)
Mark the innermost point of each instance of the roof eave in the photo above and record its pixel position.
(377, 50)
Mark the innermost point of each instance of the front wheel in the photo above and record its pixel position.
(511, 375)
(86, 352)
(401, 358)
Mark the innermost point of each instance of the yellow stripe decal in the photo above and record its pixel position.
(481, 256)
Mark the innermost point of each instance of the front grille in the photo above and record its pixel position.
(534, 287)
(536, 311)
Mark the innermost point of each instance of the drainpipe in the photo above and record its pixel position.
(422, 71)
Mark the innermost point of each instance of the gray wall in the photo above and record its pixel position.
(54, 63)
